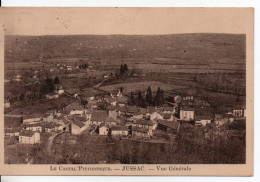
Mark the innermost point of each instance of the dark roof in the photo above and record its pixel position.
(144, 122)
(34, 125)
(151, 109)
(110, 119)
(169, 124)
(166, 116)
(186, 108)
(78, 123)
(142, 130)
(99, 115)
(71, 91)
(203, 117)
(119, 128)
(13, 130)
(133, 109)
(27, 133)
(167, 108)
(33, 116)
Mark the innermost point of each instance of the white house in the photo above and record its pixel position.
(202, 120)
(119, 131)
(154, 116)
(103, 130)
(29, 119)
(186, 114)
(77, 127)
(7, 103)
(142, 132)
(29, 137)
(34, 127)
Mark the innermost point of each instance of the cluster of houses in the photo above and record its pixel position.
(120, 119)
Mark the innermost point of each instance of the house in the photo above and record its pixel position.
(187, 97)
(13, 131)
(186, 113)
(72, 92)
(238, 112)
(96, 117)
(142, 132)
(119, 131)
(150, 110)
(7, 103)
(48, 118)
(173, 127)
(34, 127)
(168, 110)
(202, 120)
(156, 115)
(111, 121)
(112, 113)
(75, 108)
(103, 130)
(29, 137)
(53, 127)
(111, 101)
(169, 117)
(145, 124)
(58, 89)
(29, 119)
(77, 127)
(51, 96)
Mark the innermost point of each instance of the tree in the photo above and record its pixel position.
(121, 69)
(149, 97)
(125, 68)
(132, 99)
(56, 80)
(140, 99)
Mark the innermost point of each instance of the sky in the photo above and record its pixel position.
(130, 21)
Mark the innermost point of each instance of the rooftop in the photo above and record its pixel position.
(119, 128)
(27, 133)
(142, 130)
(169, 124)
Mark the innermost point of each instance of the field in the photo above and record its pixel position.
(41, 106)
(134, 86)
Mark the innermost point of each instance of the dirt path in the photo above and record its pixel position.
(50, 141)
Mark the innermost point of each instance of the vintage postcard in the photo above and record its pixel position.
(127, 91)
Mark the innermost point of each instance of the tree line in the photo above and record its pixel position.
(149, 100)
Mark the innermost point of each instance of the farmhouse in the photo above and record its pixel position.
(119, 131)
(29, 119)
(96, 117)
(72, 92)
(111, 121)
(145, 124)
(13, 131)
(34, 127)
(156, 115)
(29, 137)
(48, 118)
(142, 132)
(202, 120)
(186, 113)
(77, 127)
(173, 127)
(238, 111)
(103, 130)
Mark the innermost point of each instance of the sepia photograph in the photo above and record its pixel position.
(85, 89)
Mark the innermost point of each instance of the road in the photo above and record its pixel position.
(50, 141)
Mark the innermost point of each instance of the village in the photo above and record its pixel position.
(112, 114)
